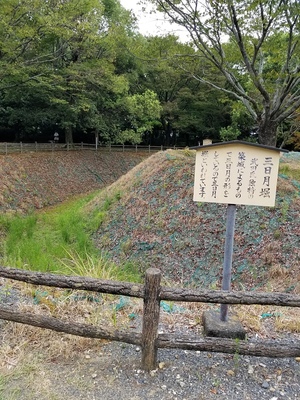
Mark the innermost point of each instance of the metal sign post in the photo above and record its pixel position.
(235, 173)
(228, 251)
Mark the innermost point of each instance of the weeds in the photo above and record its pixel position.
(236, 356)
(287, 325)
(59, 239)
(126, 246)
(284, 169)
(290, 170)
(277, 234)
(284, 210)
(98, 266)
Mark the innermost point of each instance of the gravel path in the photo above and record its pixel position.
(114, 373)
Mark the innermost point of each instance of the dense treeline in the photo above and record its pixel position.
(80, 70)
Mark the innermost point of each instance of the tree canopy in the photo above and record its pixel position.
(191, 111)
(82, 68)
(254, 45)
(60, 66)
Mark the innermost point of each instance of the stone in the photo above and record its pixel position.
(213, 326)
(265, 385)
(250, 369)
(230, 372)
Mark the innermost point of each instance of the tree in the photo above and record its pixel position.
(190, 110)
(143, 114)
(289, 133)
(255, 46)
(57, 64)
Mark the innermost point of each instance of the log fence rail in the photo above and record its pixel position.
(152, 293)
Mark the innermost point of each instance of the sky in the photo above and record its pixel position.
(151, 24)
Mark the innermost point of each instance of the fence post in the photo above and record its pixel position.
(36, 147)
(5, 148)
(21, 147)
(150, 318)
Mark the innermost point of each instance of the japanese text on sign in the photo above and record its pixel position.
(236, 175)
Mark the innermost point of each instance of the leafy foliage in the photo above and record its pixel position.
(58, 67)
(191, 111)
(254, 46)
(81, 68)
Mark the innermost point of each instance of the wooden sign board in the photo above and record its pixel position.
(236, 173)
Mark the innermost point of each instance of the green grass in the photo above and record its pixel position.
(60, 240)
(100, 266)
(290, 171)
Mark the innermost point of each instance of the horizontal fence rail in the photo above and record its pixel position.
(20, 147)
(152, 293)
(137, 290)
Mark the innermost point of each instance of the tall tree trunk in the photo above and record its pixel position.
(267, 132)
(69, 135)
(169, 134)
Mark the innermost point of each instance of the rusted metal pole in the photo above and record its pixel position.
(150, 319)
(228, 251)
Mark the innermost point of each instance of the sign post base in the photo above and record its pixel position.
(213, 326)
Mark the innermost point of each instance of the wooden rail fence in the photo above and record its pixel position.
(152, 293)
(20, 147)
